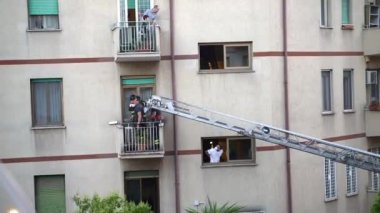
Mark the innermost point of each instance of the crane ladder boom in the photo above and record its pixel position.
(336, 152)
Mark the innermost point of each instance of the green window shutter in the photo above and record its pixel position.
(345, 11)
(141, 174)
(131, 4)
(46, 80)
(50, 194)
(43, 7)
(138, 81)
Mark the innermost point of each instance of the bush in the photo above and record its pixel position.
(213, 207)
(376, 205)
(112, 203)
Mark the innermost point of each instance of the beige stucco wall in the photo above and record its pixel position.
(92, 98)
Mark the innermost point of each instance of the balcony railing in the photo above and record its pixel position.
(146, 141)
(137, 41)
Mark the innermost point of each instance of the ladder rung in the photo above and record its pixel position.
(221, 123)
(203, 118)
(238, 127)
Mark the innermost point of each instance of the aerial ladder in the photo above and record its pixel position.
(336, 152)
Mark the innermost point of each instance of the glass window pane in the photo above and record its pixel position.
(237, 56)
(239, 149)
(211, 57)
(47, 102)
(347, 89)
(326, 90)
(133, 190)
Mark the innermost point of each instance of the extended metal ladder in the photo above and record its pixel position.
(339, 153)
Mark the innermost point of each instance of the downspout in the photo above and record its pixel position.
(173, 81)
(286, 103)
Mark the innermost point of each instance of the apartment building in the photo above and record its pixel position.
(68, 69)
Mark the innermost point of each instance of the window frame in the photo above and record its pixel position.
(137, 88)
(325, 18)
(349, 11)
(44, 19)
(326, 111)
(374, 178)
(350, 90)
(226, 151)
(36, 190)
(351, 181)
(330, 180)
(35, 123)
(225, 69)
(140, 175)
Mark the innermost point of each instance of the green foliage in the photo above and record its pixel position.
(213, 207)
(112, 203)
(376, 205)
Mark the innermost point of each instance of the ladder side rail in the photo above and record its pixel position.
(295, 134)
(299, 141)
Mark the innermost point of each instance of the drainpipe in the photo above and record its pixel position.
(173, 80)
(286, 103)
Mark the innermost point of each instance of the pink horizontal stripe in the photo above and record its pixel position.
(176, 57)
(167, 153)
(58, 158)
(56, 61)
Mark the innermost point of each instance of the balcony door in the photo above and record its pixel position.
(141, 86)
(143, 186)
(133, 10)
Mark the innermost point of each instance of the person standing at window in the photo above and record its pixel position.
(215, 154)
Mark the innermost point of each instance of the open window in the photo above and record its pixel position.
(235, 149)
(225, 56)
(143, 86)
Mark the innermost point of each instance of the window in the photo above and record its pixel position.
(46, 102)
(325, 13)
(372, 15)
(43, 14)
(50, 193)
(330, 180)
(372, 86)
(235, 149)
(141, 86)
(346, 12)
(133, 10)
(374, 178)
(326, 91)
(225, 56)
(348, 89)
(142, 186)
(351, 176)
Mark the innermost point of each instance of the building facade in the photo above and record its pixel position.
(68, 69)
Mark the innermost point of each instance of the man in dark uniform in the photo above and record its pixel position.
(138, 111)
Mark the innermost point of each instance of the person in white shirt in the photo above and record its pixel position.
(215, 154)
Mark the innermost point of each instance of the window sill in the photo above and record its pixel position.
(328, 113)
(44, 30)
(352, 194)
(222, 71)
(347, 27)
(372, 191)
(348, 111)
(331, 199)
(325, 27)
(227, 164)
(47, 127)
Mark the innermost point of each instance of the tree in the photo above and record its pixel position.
(112, 203)
(213, 207)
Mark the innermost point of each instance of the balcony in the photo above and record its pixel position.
(142, 142)
(137, 41)
(371, 44)
(372, 122)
